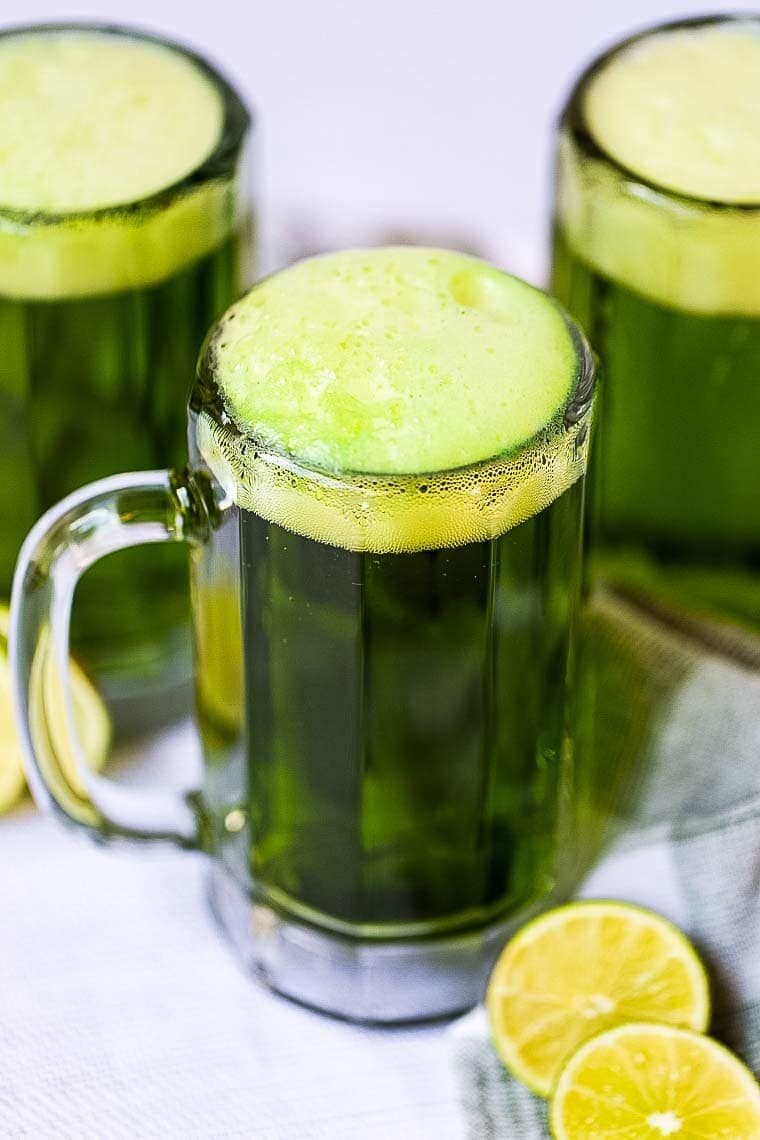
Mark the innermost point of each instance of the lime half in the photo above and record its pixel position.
(644, 1082)
(581, 969)
(89, 712)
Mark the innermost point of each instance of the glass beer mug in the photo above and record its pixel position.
(383, 624)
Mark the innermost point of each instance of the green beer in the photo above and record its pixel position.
(122, 217)
(657, 253)
(384, 618)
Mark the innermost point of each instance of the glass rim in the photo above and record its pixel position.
(573, 118)
(237, 120)
(206, 397)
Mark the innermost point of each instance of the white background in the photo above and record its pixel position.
(432, 117)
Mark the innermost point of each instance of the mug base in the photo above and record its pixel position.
(372, 982)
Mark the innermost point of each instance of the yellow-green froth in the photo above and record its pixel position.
(365, 387)
(394, 361)
(92, 120)
(682, 109)
(90, 123)
(678, 110)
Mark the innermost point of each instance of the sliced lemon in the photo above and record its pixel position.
(90, 714)
(583, 968)
(644, 1082)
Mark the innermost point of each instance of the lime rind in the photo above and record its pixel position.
(728, 1061)
(640, 918)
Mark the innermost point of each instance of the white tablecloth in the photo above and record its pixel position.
(123, 1015)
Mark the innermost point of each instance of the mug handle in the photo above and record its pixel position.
(109, 515)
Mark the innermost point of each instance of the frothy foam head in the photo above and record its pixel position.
(678, 109)
(681, 108)
(92, 122)
(395, 399)
(394, 360)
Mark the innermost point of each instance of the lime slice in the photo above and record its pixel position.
(584, 968)
(89, 712)
(644, 1081)
(11, 772)
(93, 725)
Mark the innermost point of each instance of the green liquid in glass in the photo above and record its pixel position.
(408, 711)
(90, 387)
(676, 508)
(386, 730)
(104, 305)
(666, 288)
